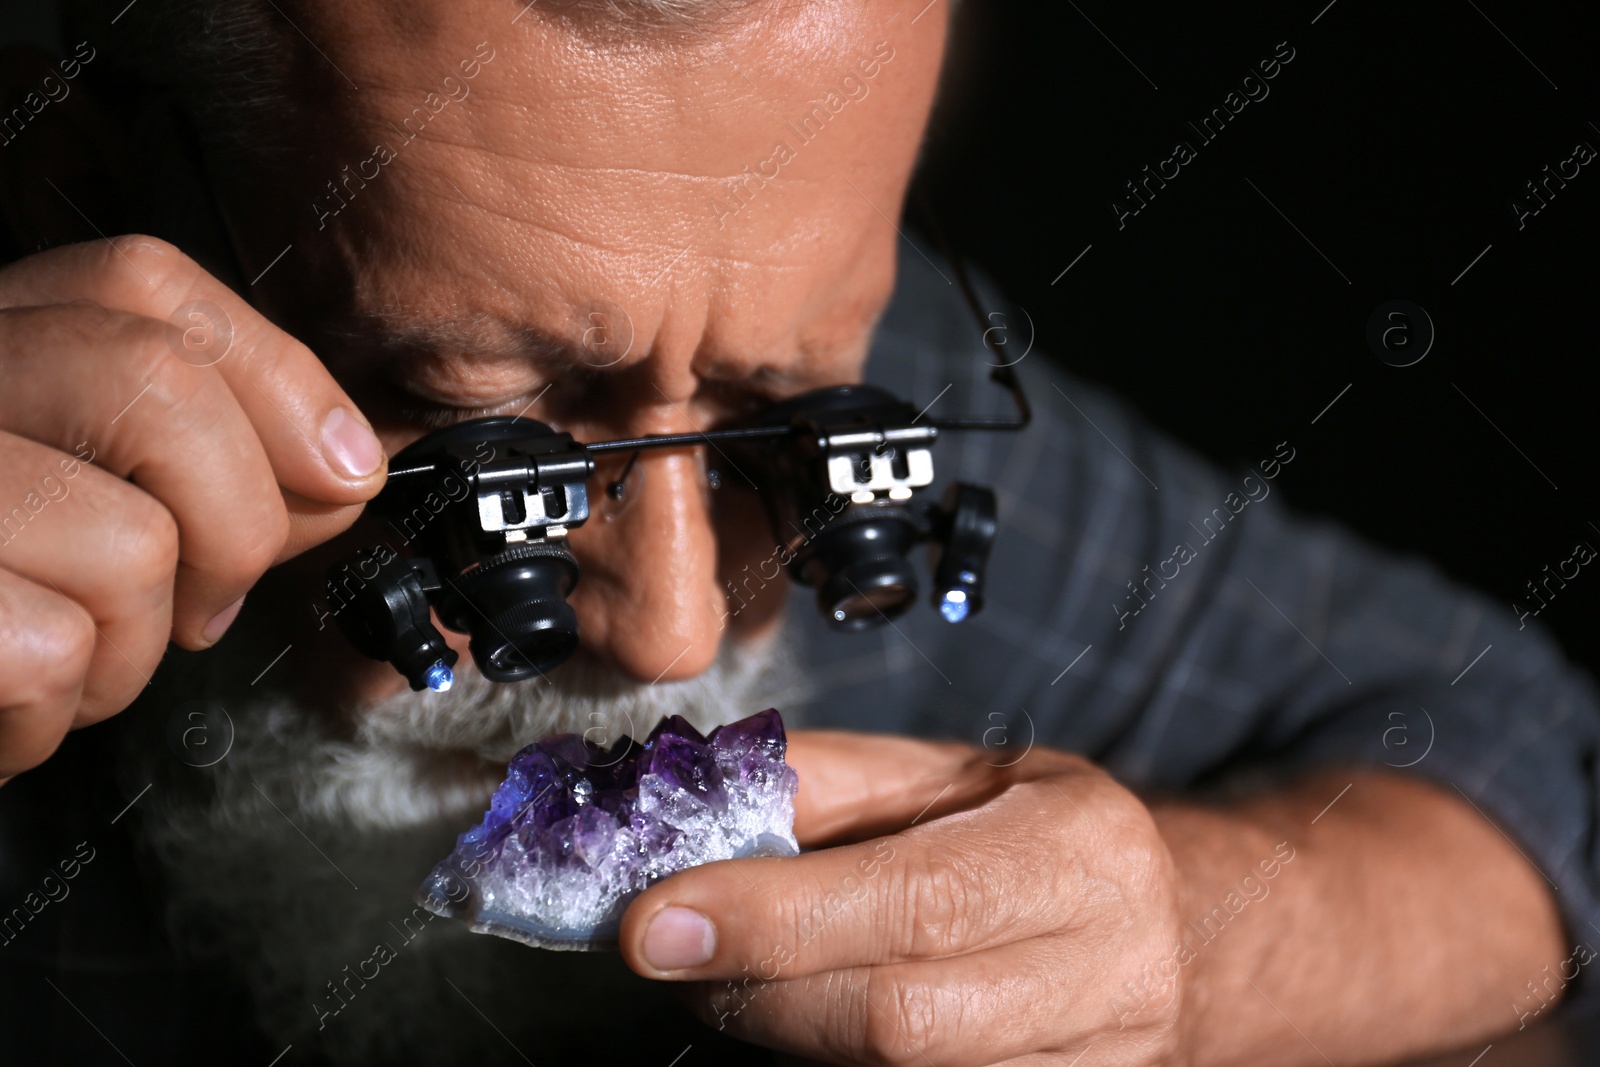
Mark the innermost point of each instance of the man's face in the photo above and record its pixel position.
(615, 230)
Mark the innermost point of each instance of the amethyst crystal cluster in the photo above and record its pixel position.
(577, 831)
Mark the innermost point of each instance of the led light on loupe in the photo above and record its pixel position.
(439, 677)
(954, 605)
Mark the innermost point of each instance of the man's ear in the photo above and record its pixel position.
(65, 168)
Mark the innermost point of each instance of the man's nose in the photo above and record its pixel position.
(648, 600)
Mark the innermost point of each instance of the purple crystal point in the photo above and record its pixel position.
(576, 831)
(569, 749)
(687, 767)
(751, 748)
(763, 730)
(593, 833)
(678, 726)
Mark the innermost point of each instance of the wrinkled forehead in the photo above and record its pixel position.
(717, 190)
(565, 87)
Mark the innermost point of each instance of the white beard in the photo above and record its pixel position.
(298, 898)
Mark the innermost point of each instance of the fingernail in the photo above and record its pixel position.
(678, 938)
(349, 445)
(219, 625)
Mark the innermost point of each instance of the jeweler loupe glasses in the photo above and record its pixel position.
(485, 508)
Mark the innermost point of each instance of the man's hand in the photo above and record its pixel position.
(1000, 920)
(161, 445)
(1036, 913)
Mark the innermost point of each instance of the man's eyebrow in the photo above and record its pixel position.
(481, 335)
(408, 343)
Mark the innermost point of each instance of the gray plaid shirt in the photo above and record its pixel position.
(1176, 623)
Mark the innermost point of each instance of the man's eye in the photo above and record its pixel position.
(428, 413)
(432, 416)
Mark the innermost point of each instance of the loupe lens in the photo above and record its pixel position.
(517, 612)
(862, 576)
(864, 607)
(527, 640)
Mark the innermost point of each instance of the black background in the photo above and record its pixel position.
(1395, 141)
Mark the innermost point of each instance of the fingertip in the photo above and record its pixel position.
(213, 631)
(640, 939)
(676, 938)
(349, 446)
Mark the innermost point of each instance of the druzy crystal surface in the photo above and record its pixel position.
(576, 831)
